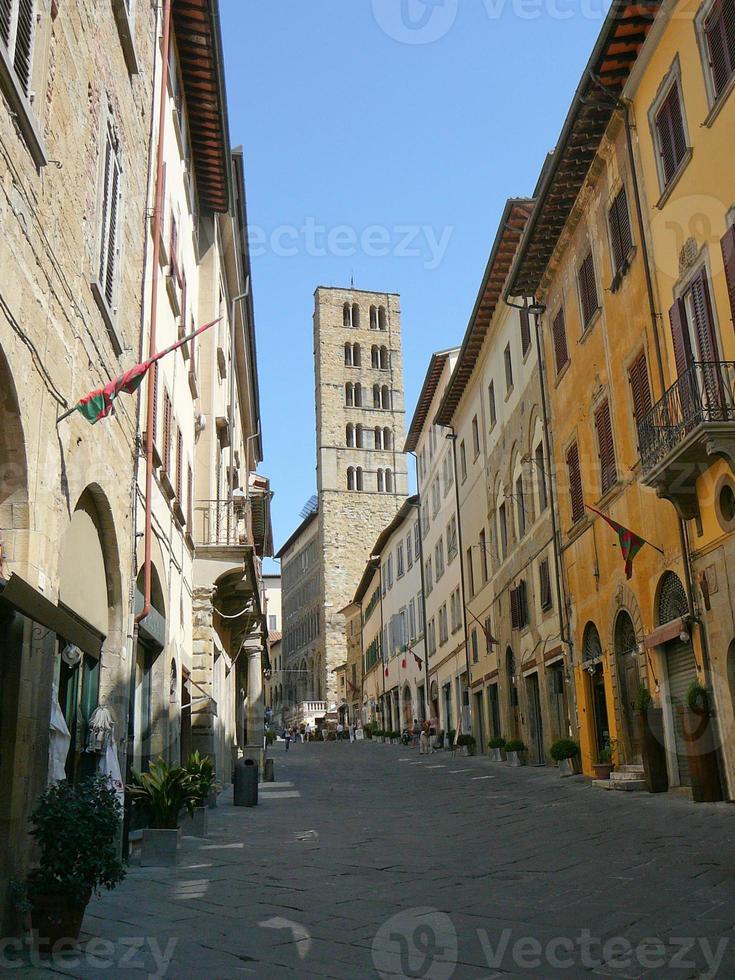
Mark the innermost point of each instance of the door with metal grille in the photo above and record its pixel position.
(682, 671)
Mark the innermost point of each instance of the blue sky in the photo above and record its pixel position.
(382, 138)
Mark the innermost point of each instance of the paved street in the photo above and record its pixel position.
(368, 860)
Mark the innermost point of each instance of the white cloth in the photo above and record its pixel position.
(59, 740)
(109, 766)
(100, 730)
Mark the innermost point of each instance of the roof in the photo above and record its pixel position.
(297, 533)
(275, 636)
(428, 390)
(408, 505)
(510, 230)
(199, 41)
(596, 99)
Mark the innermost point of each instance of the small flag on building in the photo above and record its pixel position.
(630, 542)
(387, 671)
(417, 658)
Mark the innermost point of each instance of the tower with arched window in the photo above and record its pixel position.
(360, 431)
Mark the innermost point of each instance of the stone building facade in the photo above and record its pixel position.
(361, 470)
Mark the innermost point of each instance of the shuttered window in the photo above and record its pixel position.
(559, 332)
(166, 432)
(155, 403)
(544, 584)
(575, 483)
(670, 133)
(606, 447)
(519, 606)
(173, 247)
(587, 290)
(621, 239)
(110, 218)
(680, 337)
(525, 330)
(640, 388)
(728, 258)
(179, 463)
(190, 498)
(719, 29)
(17, 29)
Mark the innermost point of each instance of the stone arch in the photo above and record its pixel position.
(14, 509)
(591, 645)
(624, 599)
(671, 599)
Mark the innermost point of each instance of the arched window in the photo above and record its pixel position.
(384, 358)
(672, 599)
(389, 481)
(381, 481)
(376, 396)
(387, 439)
(358, 395)
(349, 394)
(358, 437)
(346, 315)
(625, 638)
(348, 355)
(373, 356)
(356, 355)
(373, 318)
(350, 435)
(351, 482)
(378, 437)
(591, 646)
(358, 478)
(355, 315)
(385, 396)
(382, 320)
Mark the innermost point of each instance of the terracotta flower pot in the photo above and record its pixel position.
(705, 776)
(602, 769)
(54, 917)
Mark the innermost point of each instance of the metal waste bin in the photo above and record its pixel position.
(245, 791)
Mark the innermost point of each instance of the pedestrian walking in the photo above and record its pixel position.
(340, 731)
(424, 738)
(287, 737)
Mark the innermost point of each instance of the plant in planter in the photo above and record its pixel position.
(467, 744)
(515, 751)
(395, 737)
(701, 755)
(201, 775)
(497, 748)
(605, 764)
(270, 737)
(566, 752)
(76, 829)
(161, 794)
(650, 738)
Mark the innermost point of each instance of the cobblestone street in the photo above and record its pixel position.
(369, 860)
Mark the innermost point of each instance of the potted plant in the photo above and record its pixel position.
(605, 765)
(565, 752)
(697, 731)
(270, 736)
(650, 736)
(466, 744)
(515, 751)
(201, 774)
(76, 829)
(161, 794)
(395, 738)
(497, 748)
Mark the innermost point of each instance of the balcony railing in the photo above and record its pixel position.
(222, 523)
(704, 396)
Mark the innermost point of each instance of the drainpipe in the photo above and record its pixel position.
(157, 224)
(427, 698)
(452, 437)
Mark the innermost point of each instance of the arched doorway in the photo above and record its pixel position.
(628, 676)
(681, 673)
(407, 709)
(510, 676)
(592, 661)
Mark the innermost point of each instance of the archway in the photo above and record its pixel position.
(592, 660)
(407, 710)
(628, 676)
(510, 675)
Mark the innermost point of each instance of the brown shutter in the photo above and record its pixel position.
(173, 247)
(703, 320)
(561, 354)
(587, 289)
(525, 330)
(190, 498)
(155, 403)
(670, 126)
(606, 445)
(545, 583)
(575, 483)
(680, 337)
(640, 387)
(719, 30)
(179, 462)
(728, 257)
(166, 433)
(620, 232)
(22, 57)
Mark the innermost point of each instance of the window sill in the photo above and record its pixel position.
(590, 326)
(578, 528)
(108, 316)
(666, 192)
(508, 393)
(22, 111)
(560, 374)
(719, 102)
(610, 494)
(125, 30)
(525, 354)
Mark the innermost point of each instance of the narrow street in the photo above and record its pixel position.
(369, 860)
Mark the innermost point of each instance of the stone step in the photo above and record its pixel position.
(622, 777)
(621, 785)
(636, 769)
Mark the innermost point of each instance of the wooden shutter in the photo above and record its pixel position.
(190, 498)
(155, 402)
(6, 13)
(575, 483)
(640, 387)
(559, 332)
(522, 603)
(545, 583)
(179, 462)
(703, 320)
(588, 289)
(173, 246)
(525, 330)
(112, 234)
(23, 52)
(680, 337)
(514, 617)
(606, 447)
(620, 233)
(719, 30)
(670, 128)
(166, 432)
(728, 257)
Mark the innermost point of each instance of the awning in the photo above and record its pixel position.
(31, 603)
(669, 631)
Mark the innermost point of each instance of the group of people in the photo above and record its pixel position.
(305, 733)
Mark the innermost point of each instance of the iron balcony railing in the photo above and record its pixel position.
(703, 395)
(223, 523)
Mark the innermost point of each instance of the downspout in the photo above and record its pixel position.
(157, 224)
(423, 588)
(379, 566)
(453, 440)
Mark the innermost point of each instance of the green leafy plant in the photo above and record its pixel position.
(162, 793)
(201, 775)
(467, 740)
(270, 737)
(370, 728)
(643, 698)
(498, 742)
(76, 830)
(697, 698)
(515, 745)
(607, 752)
(564, 748)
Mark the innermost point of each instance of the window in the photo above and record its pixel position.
(417, 540)
(544, 584)
(452, 539)
(462, 461)
(483, 555)
(540, 464)
(491, 404)
(559, 335)
(439, 558)
(606, 447)
(424, 518)
(350, 435)
(389, 481)
(358, 437)
(475, 437)
(719, 32)
(385, 397)
(389, 571)
(435, 497)
(355, 315)
(272, 623)
(383, 358)
(373, 318)
(621, 239)
(575, 483)
(503, 519)
(587, 290)
(349, 394)
(420, 608)
(179, 464)
(382, 318)
(670, 134)
(387, 438)
(470, 573)
(167, 421)
(378, 437)
(640, 388)
(508, 368)
(431, 636)
(190, 498)
(108, 271)
(409, 551)
(443, 625)
(475, 651)
(693, 332)
(525, 319)
(412, 619)
(428, 578)
(351, 484)
(455, 608)
(519, 606)
(520, 507)
(348, 355)
(374, 356)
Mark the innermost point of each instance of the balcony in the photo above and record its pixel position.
(222, 524)
(692, 424)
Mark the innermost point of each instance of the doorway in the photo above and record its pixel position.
(681, 669)
(629, 680)
(479, 715)
(493, 705)
(559, 709)
(599, 707)
(535, 723)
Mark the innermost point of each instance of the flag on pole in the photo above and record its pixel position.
(630, 542)
(417, 658)
(100, 403)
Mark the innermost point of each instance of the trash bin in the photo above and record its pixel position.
(245, 791)
(268, 771)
